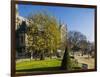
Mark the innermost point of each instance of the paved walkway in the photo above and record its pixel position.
(84, 59)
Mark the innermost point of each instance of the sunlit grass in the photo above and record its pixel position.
(41, 65)
(35, 64)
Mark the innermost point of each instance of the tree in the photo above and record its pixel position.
(43, 34)
(76, 40)
(84, 47)
(32, 32)
(91, 49)
(66, 63)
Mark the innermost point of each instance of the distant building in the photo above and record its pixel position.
(21, 36)
(64, 31)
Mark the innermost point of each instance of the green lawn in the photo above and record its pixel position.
(38, 65)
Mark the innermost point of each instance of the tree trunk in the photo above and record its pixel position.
(42, 57)
(31, 55)
(50, 54)
(82, 53)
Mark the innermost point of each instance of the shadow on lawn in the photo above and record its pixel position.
(40, 69)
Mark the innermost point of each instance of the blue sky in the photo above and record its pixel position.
(77, 19)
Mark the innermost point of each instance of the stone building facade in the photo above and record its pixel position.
(21, 36)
